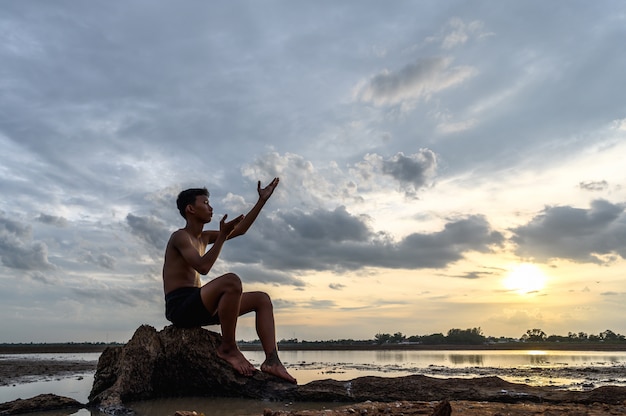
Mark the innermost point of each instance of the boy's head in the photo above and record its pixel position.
(188, 197)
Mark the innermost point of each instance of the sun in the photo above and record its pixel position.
(525, 278)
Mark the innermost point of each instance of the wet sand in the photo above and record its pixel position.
(19, 370)
(461, 407)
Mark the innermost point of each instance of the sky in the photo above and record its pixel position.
(442, 165)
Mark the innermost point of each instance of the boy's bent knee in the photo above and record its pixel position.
(264, 299)
(233, 280)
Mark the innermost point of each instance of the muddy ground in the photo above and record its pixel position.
(21, 370)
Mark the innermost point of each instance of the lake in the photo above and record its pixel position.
(572, 370)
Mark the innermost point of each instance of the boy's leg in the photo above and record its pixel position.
(261, 303)
(223, 296)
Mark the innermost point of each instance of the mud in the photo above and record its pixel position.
(25, 370)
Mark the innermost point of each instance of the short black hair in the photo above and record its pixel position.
(187, 197)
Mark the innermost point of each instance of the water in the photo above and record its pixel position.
(572, 370)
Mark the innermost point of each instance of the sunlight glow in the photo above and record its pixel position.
(525, 278)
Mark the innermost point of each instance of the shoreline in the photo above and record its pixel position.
(512, 346)
(8, 349)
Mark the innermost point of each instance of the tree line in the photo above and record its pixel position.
(469, 336)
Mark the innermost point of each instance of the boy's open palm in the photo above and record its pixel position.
(226, 228)
(265, 193)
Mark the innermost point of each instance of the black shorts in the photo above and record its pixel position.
(184, 308)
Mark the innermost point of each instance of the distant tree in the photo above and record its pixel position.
(288, 341)
(465, 336)
(609, 335)
(433, 339)
(397, 338)
(557, 338)
(534, 335)
(382, 338)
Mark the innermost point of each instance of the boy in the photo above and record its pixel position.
(221, 301)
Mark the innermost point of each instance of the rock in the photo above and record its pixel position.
(39, 403)
(173, 362)
(443, 409)
(183, 362)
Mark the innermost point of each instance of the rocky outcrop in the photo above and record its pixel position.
(174, 362)
(40, 403)
(183, 362)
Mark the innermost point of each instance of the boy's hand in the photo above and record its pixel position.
(266, 192)
(226, 228)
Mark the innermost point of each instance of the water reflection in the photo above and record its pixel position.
(462, 359)
(391, 356)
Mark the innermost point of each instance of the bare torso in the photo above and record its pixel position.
(177, 272)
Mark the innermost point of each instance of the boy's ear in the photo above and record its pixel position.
(189, 209)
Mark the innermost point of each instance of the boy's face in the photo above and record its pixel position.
(202, 208)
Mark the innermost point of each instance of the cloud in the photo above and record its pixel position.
(149, 229)
(410, 172)
(474, 275)
(413, 170)
(460, 32)
(253, 274)
(336, 226)
(103, 260)
(18, 251)
(336, 286)
(319, 304)
(126, 296)
(594, 185)
(337, 240)
(577, 234)
(419, 79)
(43, 278)
(52, 220)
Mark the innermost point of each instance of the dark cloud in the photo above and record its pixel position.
(345, 242)
(52, 220)
(18, 251)
(414, 170)
(337, 225)
(411, 172)
(336, 286)
(582, 235)
(150, 229)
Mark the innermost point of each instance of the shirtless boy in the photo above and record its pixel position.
(221, 301)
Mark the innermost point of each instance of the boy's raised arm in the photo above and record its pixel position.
(264, 195)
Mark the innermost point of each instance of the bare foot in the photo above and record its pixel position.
(273, 366)
(235, 358)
